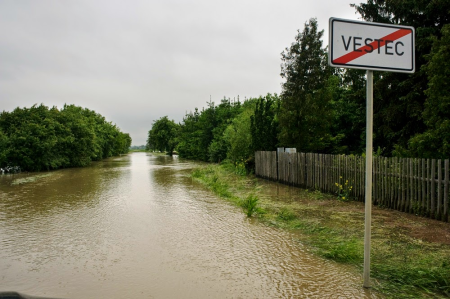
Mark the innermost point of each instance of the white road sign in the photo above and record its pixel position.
(371, 46)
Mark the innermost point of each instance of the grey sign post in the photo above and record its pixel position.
(371, 47)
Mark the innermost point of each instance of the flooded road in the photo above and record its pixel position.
(139, 227)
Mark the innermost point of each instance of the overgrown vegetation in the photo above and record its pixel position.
(343, 189)
(402, 266)
(138, 148)
(39, 138)
(250, 205)
(322, 109)
(162, 135)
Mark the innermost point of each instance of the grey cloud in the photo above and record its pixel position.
(136, 61)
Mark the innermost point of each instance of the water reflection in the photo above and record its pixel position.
(139, 226)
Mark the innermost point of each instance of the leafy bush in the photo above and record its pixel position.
(39, 138)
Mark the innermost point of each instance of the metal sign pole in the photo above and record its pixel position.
(372, 47)
(368, 202)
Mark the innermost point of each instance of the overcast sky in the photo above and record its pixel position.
(136, 61)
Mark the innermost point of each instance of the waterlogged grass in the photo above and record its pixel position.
(30, 179)
(210, 175)
(406, 263)
(401, 266)
(250, 205)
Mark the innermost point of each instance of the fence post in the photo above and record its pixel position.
(446, 191)
(424, 205)
(439, 193)
(409, 185)
(433, 182)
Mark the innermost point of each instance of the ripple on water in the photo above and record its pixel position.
(139, 226)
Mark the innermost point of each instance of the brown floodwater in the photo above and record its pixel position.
(138, 226)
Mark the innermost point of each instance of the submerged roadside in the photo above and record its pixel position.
(410, 255)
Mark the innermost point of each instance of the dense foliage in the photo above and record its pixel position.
(225, 131)
(435, 141)
(264, 123)
(306, 115)
(162, 135)
(201, 134)
(42, 138)
(400, 99)
(323, 109)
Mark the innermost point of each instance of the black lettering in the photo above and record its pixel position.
(367, 41)
(396, 48)
(378, 41)
(348, 44)
(387, 47)
(356, 44)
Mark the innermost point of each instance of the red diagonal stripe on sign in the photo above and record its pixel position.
(355, 54)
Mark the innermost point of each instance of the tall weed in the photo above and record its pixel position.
(250, 205)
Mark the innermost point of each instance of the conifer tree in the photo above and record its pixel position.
(435, 141)
(399, 99)
(264, 123)
(306, 115)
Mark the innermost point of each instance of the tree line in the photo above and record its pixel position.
(323, 109)
(41, 138)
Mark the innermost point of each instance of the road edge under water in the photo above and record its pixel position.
(403, 266)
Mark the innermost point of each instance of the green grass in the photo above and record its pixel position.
(401, 266)
(30, 179)
(250, 205)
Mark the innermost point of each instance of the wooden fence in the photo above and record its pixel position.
(418, 186)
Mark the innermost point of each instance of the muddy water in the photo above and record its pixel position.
(139, 227)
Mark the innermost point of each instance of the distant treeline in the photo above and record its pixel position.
(42, 138)
(137, 147)
(232, 130)
(323, 109)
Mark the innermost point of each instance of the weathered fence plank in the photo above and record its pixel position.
(424, 189)
(446, 182)
(439, 193)
(411, 185)
(433, 190)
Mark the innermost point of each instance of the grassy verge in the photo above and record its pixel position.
(402, 266)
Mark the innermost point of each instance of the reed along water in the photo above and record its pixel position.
(138, 226)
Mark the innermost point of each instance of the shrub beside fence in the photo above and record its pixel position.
(417, 186)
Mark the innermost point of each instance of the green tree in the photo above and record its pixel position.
(39, 138)
(3, 148)
(122, 143)
(264, 123)
(32, 134)
(162, 136)
(189, 136)
(305, 117)
(77, 142)
(204, 134)
(435, 141)
(201, 133)
(239, 138)
(347, 88)
(399, 99)
(224, 115)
